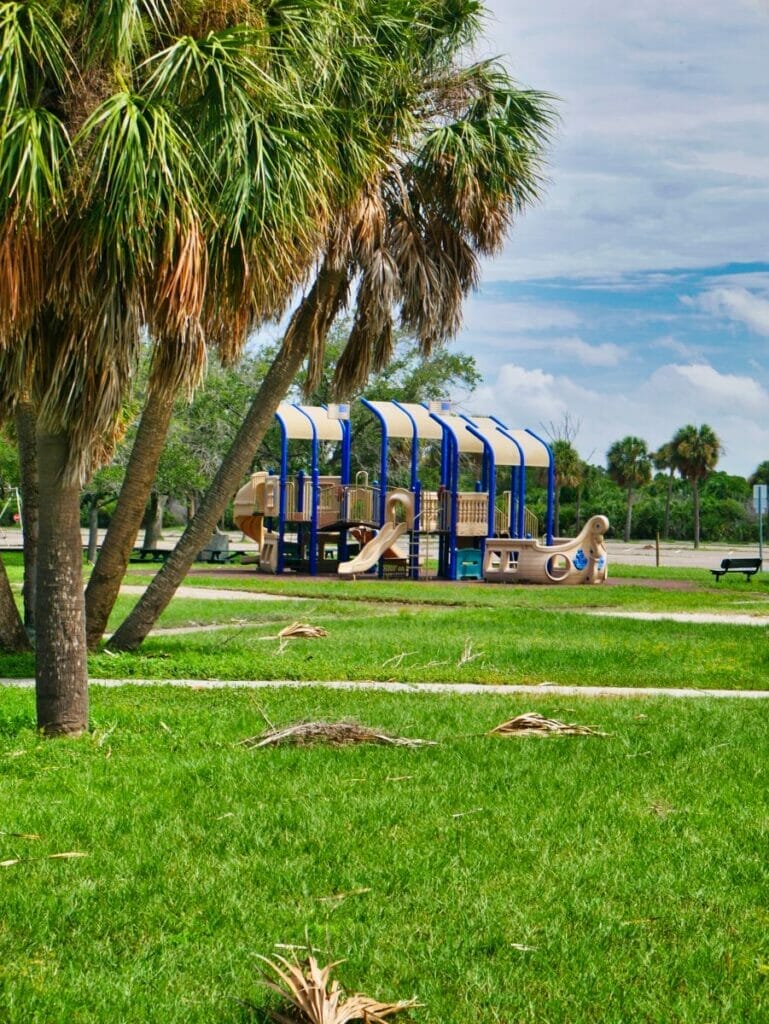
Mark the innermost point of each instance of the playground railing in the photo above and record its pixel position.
(359, 503)
(530, 521)
(434, 511)
(472, 513)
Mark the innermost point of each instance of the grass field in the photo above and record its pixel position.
(435, 632)
(565, 880)
(559, 881)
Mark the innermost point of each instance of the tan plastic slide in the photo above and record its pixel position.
(373, 551)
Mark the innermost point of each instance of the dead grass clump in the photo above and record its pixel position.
(533, 724)
(337, 734)
(314, 999)
(304, 630)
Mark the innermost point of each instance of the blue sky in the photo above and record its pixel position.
(635, 297)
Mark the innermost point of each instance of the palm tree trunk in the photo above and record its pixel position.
(150, 606)
(696, 497)
(30, 504)
(93, 527)
(311, 320)
(668, 499)
(557, 512)
(61, 667)
(153, 531)
(629, 514)
(13, 636)
(104, 584)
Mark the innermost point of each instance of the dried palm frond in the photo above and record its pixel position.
(533, 724)
(315, 999)
(302, 629)
(338, 734)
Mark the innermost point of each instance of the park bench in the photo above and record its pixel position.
(150, 554)
(748, 566)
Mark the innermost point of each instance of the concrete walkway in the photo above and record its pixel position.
(475, 689)
(701, 618)
(209, 594)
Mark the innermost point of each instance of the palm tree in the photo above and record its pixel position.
(760, 475)
(629, 466)
(695, 455)
(663, 460)
(464, 161)
(568, 473)
(112, 221)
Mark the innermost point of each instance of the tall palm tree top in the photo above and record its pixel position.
(696, 451)
(176, 166)
(629, 462)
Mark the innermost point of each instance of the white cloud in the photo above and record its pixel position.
(661, 156)
(654, 409)
(679, 348)
(737, 304)
(489, 315)
(699, 385)
(605, 354)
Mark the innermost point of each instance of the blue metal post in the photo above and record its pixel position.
(550, 484)
(345, 475)
(315, 494)
(281, 560)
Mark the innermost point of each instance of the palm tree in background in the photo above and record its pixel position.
(663, 461)
(696, 451)
(760, 474)
(569, 470)
(463, 158)
(170, 168)
(629, 466)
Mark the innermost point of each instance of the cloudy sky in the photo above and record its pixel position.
(635, 298)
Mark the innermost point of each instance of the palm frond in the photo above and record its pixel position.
(33, 51)
(119, 29)
(316, 999)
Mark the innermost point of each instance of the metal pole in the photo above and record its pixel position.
(760, 531)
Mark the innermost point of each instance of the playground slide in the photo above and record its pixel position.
(374, 550)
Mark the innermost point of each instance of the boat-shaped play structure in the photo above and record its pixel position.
(579, 560)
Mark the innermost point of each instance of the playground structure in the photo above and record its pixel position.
(579, 560)
(321, 523)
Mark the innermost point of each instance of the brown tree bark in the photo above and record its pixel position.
(109, 570)
(313, 317)
(696, 497)
(26, 419)
(628, 515)
(93, 528)
(153, 531)
(155, 599)
(61, 668)
(668, 498)
(13, 636)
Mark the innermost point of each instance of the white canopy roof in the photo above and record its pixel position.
(396, 418)
(296, 421)
(499, 439)
(506, 452)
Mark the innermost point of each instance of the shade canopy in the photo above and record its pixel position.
(298, 421)
(406, 419)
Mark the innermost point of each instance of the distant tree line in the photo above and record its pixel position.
(675, 491)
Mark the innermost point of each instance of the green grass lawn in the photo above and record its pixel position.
(565, 881)
(435, 632)
(557, 881)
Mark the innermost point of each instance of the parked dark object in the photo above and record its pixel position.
(749, 566)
